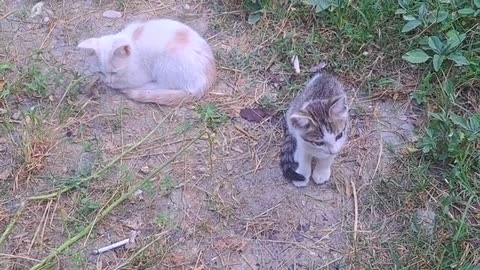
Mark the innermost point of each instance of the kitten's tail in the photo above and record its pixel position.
(287, 161)
(165, 97)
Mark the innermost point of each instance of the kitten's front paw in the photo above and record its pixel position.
(321, 176)
(303, 183)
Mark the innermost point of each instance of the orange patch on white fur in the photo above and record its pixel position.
(180, 40)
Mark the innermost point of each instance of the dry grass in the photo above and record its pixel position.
(222, 205)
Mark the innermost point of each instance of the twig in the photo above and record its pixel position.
(70, 86)
(379, 157)
(355, 205)
(110, 247)
(107, 211)
(246, 261)
(10, 226)
(10, 256)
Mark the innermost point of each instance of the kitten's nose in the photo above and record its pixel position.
(333, 150)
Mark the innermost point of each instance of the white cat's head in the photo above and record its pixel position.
(113, 54)
(322, 124)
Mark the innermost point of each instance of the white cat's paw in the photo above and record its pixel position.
(321, 176)
(303, 183)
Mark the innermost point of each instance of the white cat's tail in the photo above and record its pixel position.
(164, 97)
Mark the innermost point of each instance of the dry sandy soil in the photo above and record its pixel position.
(223, 204)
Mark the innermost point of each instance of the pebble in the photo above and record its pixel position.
(112, 14)
(229, 166)
(5, 174)
(16, 115)
(86, 163)
(145, 170)
(426, 220)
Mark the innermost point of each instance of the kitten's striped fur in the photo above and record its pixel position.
(287, 162)
(315, 129)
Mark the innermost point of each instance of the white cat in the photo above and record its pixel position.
(160, 61)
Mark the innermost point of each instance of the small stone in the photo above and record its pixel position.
(426, 220)
(86, 163)
(5, 174)
(3, 148)
(139, 195)
(16, 115)
(112, 14)
(46, 19)
(187, 6)
(229, 167)
(145, 170)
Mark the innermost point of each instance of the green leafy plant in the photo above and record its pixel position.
(439, 51)
(37, 82)
(325, 5)
(257, 9)
(211, 116)
(470, 11)
(5, 67)
(420, 16)
(163, 220)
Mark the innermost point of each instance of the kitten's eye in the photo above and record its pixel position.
(339, 136)
(319, 143)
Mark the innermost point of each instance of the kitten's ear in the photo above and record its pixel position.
(123, 51)
(91, 43)
(338, 107)
(300, 120)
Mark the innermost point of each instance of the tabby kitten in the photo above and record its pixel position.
(316, 129)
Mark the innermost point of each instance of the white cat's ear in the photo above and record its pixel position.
(123, 51)
(299, 120)
(91, 43)
(338, 107)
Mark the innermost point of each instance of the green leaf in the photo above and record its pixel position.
(477, 3)
(411, 25)
(403, 3)
(454, 39)
(320, 5)
(422, 11)
(409, 17)
(460, 121)
(449, 89)
(437, 16)
(474, 123)
(437, 61)
(466, 11)
(254, 17)
(458, 58)
(400, 11)
(416, 56)
(435, 43)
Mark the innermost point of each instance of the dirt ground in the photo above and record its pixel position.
(221, 205)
